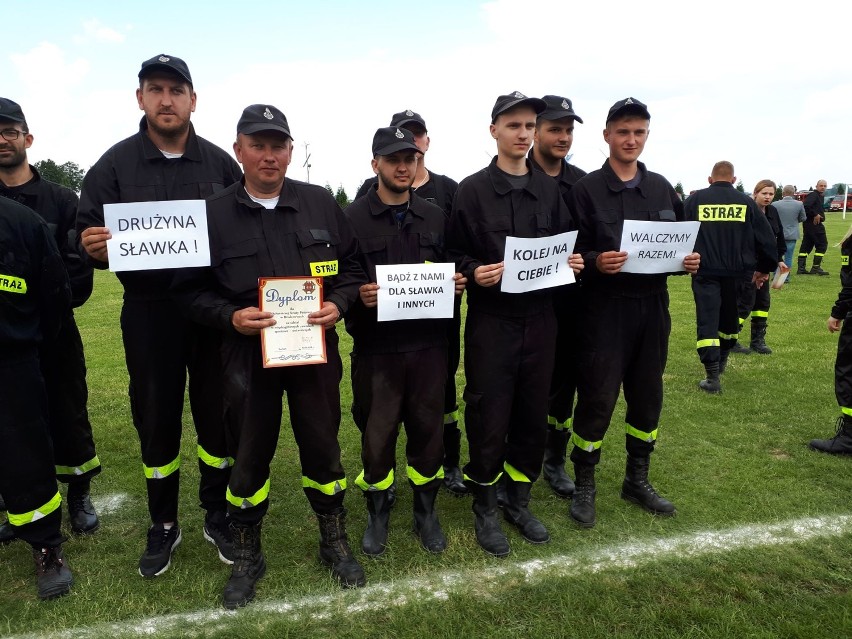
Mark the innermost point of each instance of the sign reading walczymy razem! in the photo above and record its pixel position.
(530, 264)
(153, 235)
(657, 247)
(415, 291)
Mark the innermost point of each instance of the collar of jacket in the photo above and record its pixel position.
(615, 183)
(378, 208)
(151, 152)
(501, 184)
(722, 184)
(287, 197)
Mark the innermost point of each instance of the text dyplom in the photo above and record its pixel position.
(657, 247)
(530, 264)
(154, 235)
(415, 291)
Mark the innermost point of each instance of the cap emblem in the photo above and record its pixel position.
(518, 94)
(565, 104)
(409, 113)
(399, 134)
(164, 58)
(268, 114)
(628, 101)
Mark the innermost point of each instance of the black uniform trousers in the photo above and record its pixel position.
(508, 363)
(752, 300)
(451, 404)
(715, 314)
(253, 409)
(160, 346)
(563, 383)
(63, 366)
(401, 387)
(843, 368)
(813, 239)
(625, 342)
(27, 474)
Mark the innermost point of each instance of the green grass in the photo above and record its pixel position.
(726, 461)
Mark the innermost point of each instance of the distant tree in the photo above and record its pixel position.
(679, 190)
(779, 192)
(329, 189)
(838, 189)
(740, 187)
(69, 174)
(341, 197)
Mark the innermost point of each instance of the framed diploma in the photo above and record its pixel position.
(292, 341)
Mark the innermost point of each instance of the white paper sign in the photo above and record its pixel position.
(657, 247)
(154, 235)
(415, 291)
(530, 264)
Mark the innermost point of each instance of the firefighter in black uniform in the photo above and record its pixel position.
(813, 232)
(753, 300)
(401, 364)
(626, 320)
(840, 320)
(62, 361)
(734, 239)
(34, 300)
(269, 227)
(165, 160)
(437, 189)
(509, 338)
(554, 134)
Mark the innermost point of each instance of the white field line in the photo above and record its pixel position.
(107, 504)
(479, 582)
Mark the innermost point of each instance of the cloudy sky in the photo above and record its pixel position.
(765, 85)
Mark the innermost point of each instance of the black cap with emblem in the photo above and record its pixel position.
(167, 63)
(627, 106)
(391, 139)
(558, 107)
(407, 118)
(262, 117)
(510, 101)
(10, 110)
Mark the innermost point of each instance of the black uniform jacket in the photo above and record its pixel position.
(248, 242)
(135, 170)
(601, 204)
(34, 292)
(486, 210)
(778, 231)
(568, 176)
(439, 190)
(419, 238)
(843, 306)
(813, 206)
(57, 205)
(734, 237)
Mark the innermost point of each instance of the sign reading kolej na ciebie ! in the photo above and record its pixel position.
(530, 264)
(155, 235)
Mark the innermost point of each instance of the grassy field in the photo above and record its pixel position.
(733, 464)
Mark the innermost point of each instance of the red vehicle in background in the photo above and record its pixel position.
(827, 201)
(837, 203)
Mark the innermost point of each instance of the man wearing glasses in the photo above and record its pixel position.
(63, 364)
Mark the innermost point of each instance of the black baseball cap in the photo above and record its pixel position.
(558, 107)
(506, 102)
(407, 117)
(10, 110)
(391, 139)
(167, 63)
(627, 106)
(262, 117)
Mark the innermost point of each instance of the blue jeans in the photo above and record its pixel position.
(788, 257)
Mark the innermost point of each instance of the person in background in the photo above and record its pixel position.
(813, 236)
(791, 212)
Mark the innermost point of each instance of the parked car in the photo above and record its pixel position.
(837, 203)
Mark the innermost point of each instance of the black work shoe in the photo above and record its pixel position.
(500, 490)
(54, 576)
(335, 553)
(517, 512)
(7, 533)
(158, 554)
(840, 444)
(486, 525)
(454, 481)
(374, 543)
(712, 386)
(217, 531)
(558, 480)
(817, 270)
(740, 349)
(638, 490)
(81, 511)
(248, 567)
(2, 504)
(582, 509)
(427, 527)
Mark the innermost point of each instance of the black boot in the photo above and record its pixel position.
(53, 575)
(426, 524)
(84, 518)
(740, 349)
(453, 478)
(723, 360)
(802, 270)
(841, 443)
(249, 565)
(554, 463)
(489, 535)
(334, 550)
(517, 512)
(638, 490)
(816, 269)
(711, 384)
(500, 491)
(758, 335)
(2, 504)
(7, 533)
(375, 540)
(583, 504)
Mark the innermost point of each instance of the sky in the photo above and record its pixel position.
(765, 85)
